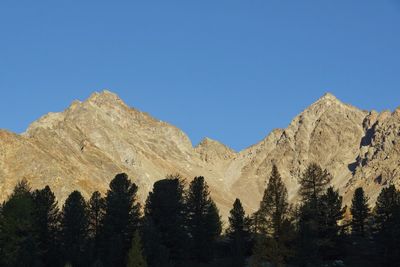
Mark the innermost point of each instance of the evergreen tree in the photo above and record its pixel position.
(307, 252)
(135, 255)
(272, 215)
(259, 254)
(313, 183)
(165, 237)
(96, 206)
(360, 249)
(18, 239)
(121, 219)
(47, 222)
(238, 234)
(360, 212)
(387, 225)
(274, 206)
(74, 229)
(330, 214)
(203, 221)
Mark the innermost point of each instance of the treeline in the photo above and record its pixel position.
(180, 226)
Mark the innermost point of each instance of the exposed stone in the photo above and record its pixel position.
(87, 144)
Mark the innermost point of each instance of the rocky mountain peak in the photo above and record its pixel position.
(209, 149)
(105, 97)
(84, 146)
(328, 101)
(328, 96)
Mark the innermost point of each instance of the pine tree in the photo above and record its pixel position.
(387, 225)
(360, 212)
(18, 239)
(74, 229)
(331, 213)
(307, 252)
(273, 213)
(47, 223)
(313, 183)
(238, 234)
(96, 206)
(359, 247)
(135, 255)
(164, 235)
(203, 220)
(274, 206)
(121, 219)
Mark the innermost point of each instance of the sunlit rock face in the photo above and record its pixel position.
(84, 147)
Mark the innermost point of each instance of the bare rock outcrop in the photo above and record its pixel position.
(84, 147)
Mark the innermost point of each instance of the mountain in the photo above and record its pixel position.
(84, 147)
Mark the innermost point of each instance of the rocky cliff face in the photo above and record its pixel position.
(87, 144)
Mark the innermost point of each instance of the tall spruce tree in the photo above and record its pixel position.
(96, 211)
(331, 213)
(121, 219)
(238, 234)
(360, 249)
(313, 183)
(203, 221)
(274, 206)
(387, 225)
(272, 216)
(164, 234)
(360, 212)
(47, 223)
(18, 238)
(74, 230)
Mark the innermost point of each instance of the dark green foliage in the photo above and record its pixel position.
(182, 228)
(238, 234)
(277, 251)
(165, 236)
(330, 214)
(307, 251)
(387, 225)
(313, 182)
(213, 222)
(47, 224)
(18, 239)
(121, 219)
(274, 207)
(135, 255)
(386, 204)
(273, 215)
(74, 230)
(96, 211)
(360, 212)
(259, 253)
(203, 221)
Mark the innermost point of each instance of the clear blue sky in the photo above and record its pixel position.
(230, 70)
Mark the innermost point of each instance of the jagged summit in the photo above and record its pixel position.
(84, 146)
(105, 97)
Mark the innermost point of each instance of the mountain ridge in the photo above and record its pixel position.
(85, 145)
